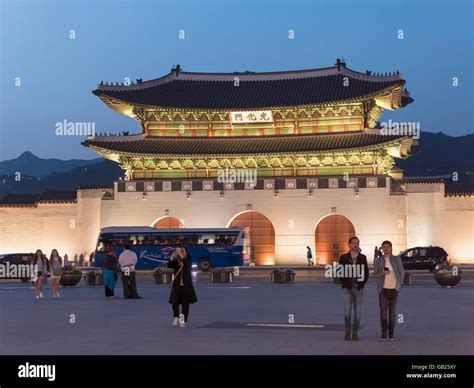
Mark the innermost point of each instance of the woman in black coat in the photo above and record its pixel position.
(182, 290)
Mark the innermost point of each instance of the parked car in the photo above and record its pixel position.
(423, 257)
(17, 258)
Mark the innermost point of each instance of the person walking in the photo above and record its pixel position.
(40, 269)
(182, 290)
(127, 260)
(110, 267)
(390, 273)
(309, 256)
(56, 266)
(355, 275)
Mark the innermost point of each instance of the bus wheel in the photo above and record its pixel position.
(204, 264)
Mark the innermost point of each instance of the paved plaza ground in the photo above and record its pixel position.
(249, 316)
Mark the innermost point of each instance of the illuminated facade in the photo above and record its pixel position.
(320, 169)
(299, 123)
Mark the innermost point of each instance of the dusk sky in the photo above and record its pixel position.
(139, 39)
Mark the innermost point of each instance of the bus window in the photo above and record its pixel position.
(226, 238)
(190, 239)
(207, 239)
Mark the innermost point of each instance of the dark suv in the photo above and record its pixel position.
(423, 257)
(17, 258)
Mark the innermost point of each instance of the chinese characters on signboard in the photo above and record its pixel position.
(260, 116)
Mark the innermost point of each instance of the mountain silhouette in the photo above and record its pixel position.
(103, 172)
(29, 164)
(440, 155)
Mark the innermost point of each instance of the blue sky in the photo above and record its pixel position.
(139, 39)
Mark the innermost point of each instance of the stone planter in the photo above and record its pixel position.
(448, 276)
(163, 275)
(221, 275)
(70, 277)
(285, 275)
(95, 278)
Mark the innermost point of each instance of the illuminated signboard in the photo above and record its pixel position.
(256, 116)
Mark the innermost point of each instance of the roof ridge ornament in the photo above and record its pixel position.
(176, 69)
(340, 63)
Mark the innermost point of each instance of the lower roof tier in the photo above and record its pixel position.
(139, 145)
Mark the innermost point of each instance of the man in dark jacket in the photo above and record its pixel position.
(355, 273)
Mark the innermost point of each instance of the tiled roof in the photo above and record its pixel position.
(458, 190)
(138, 144)
(19, 200)
(58, 196)
(191, 90)
(47, 196)
(96, 187)
(426, 179)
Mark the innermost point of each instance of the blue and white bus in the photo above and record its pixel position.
(217, 247)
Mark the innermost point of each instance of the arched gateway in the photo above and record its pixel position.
(261, 233)
(331, 238)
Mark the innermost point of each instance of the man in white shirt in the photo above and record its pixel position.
(390, 273)
(128, 260)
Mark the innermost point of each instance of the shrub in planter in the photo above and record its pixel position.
(70, 276)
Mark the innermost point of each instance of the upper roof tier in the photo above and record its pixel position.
(249, 90)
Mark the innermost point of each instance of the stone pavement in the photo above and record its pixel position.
(245, 317)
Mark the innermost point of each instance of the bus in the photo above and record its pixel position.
(217, 247)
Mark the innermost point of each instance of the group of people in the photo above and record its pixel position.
(389, 272)
(44, 267)
(182, 290)
(388, 269)
(124, 265)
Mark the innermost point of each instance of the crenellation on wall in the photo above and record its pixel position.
(417, 218)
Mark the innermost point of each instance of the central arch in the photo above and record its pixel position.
(168, 222)
(261, 233)
(331, 238)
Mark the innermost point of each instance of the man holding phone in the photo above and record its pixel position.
(355, 275)
(390, 273)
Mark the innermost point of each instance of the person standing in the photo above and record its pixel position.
(390, 273)
(40, 268)
(110, 266)
(127, 260)
(377, 253)
(182, 290)
(355, 275)
(309, 256)
(56, 266)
